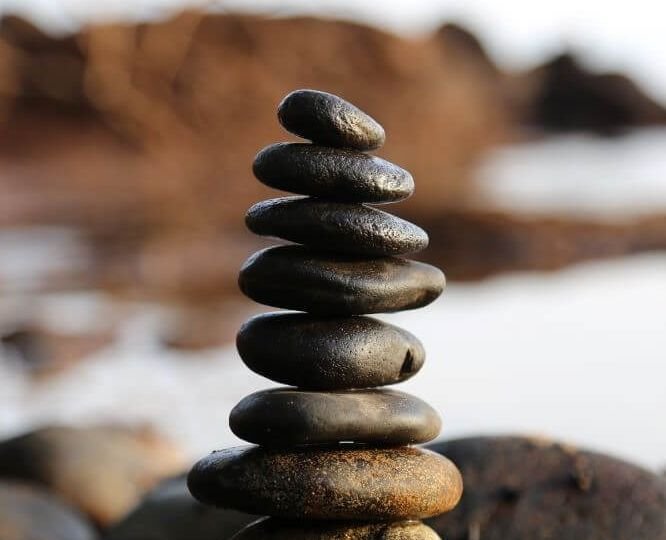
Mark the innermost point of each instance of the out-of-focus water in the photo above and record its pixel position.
(579, 175)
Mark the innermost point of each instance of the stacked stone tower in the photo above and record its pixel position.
(333, 459)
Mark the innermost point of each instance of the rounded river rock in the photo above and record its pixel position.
(348, 228)
(329, 484)
(332, 173)
(519, 488)
(275, 529)
(329, 120)
(302, 279)
(289, 417)
(328, 353)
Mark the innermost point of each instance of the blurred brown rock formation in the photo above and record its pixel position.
(101, 471)
(141, 136)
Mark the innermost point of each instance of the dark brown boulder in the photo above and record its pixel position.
(570, 97)
(532, 489)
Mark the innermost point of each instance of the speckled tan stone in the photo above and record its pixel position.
(274, 529)
(357, 483)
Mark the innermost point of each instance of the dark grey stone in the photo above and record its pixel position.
(169, 512)
(31, 513)
(299, 278)
(329, 120)
(520, 488)
(275, 529)
(290, 417)
(332, 173)
(328, 353)
(346, 228)
(343, 483)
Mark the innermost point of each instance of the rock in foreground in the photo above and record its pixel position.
(530, 489)
(102, 471)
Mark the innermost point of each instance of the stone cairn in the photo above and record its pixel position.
(333, 459)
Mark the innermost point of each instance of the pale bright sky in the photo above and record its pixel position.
(610, 34)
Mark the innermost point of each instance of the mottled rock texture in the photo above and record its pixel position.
(328, 484)
(533, 489)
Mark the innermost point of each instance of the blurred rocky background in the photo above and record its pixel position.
(134, 142)
(125, 172)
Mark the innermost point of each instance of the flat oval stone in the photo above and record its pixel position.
(290, 417)
(303, 279)
(276, 529)
(329, 120)
(328, 353)
(386, 484)
(347, 228)
(332, 173)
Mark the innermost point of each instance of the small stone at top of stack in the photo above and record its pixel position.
(334, 459)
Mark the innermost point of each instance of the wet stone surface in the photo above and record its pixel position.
(287, 417)
(329, 484)
(274, 529)
(328, 353)
(347, 228)
(329, 120)
(302, 279)
(331, 173)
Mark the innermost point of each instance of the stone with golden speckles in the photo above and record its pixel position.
(338, 483)
(275, 529)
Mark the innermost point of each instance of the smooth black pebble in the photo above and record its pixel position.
(345, 228)
(302, 279)
(328, 353)
(290, 417)
(332, 173)
(329, 120)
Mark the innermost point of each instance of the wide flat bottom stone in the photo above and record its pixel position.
(340, 483)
